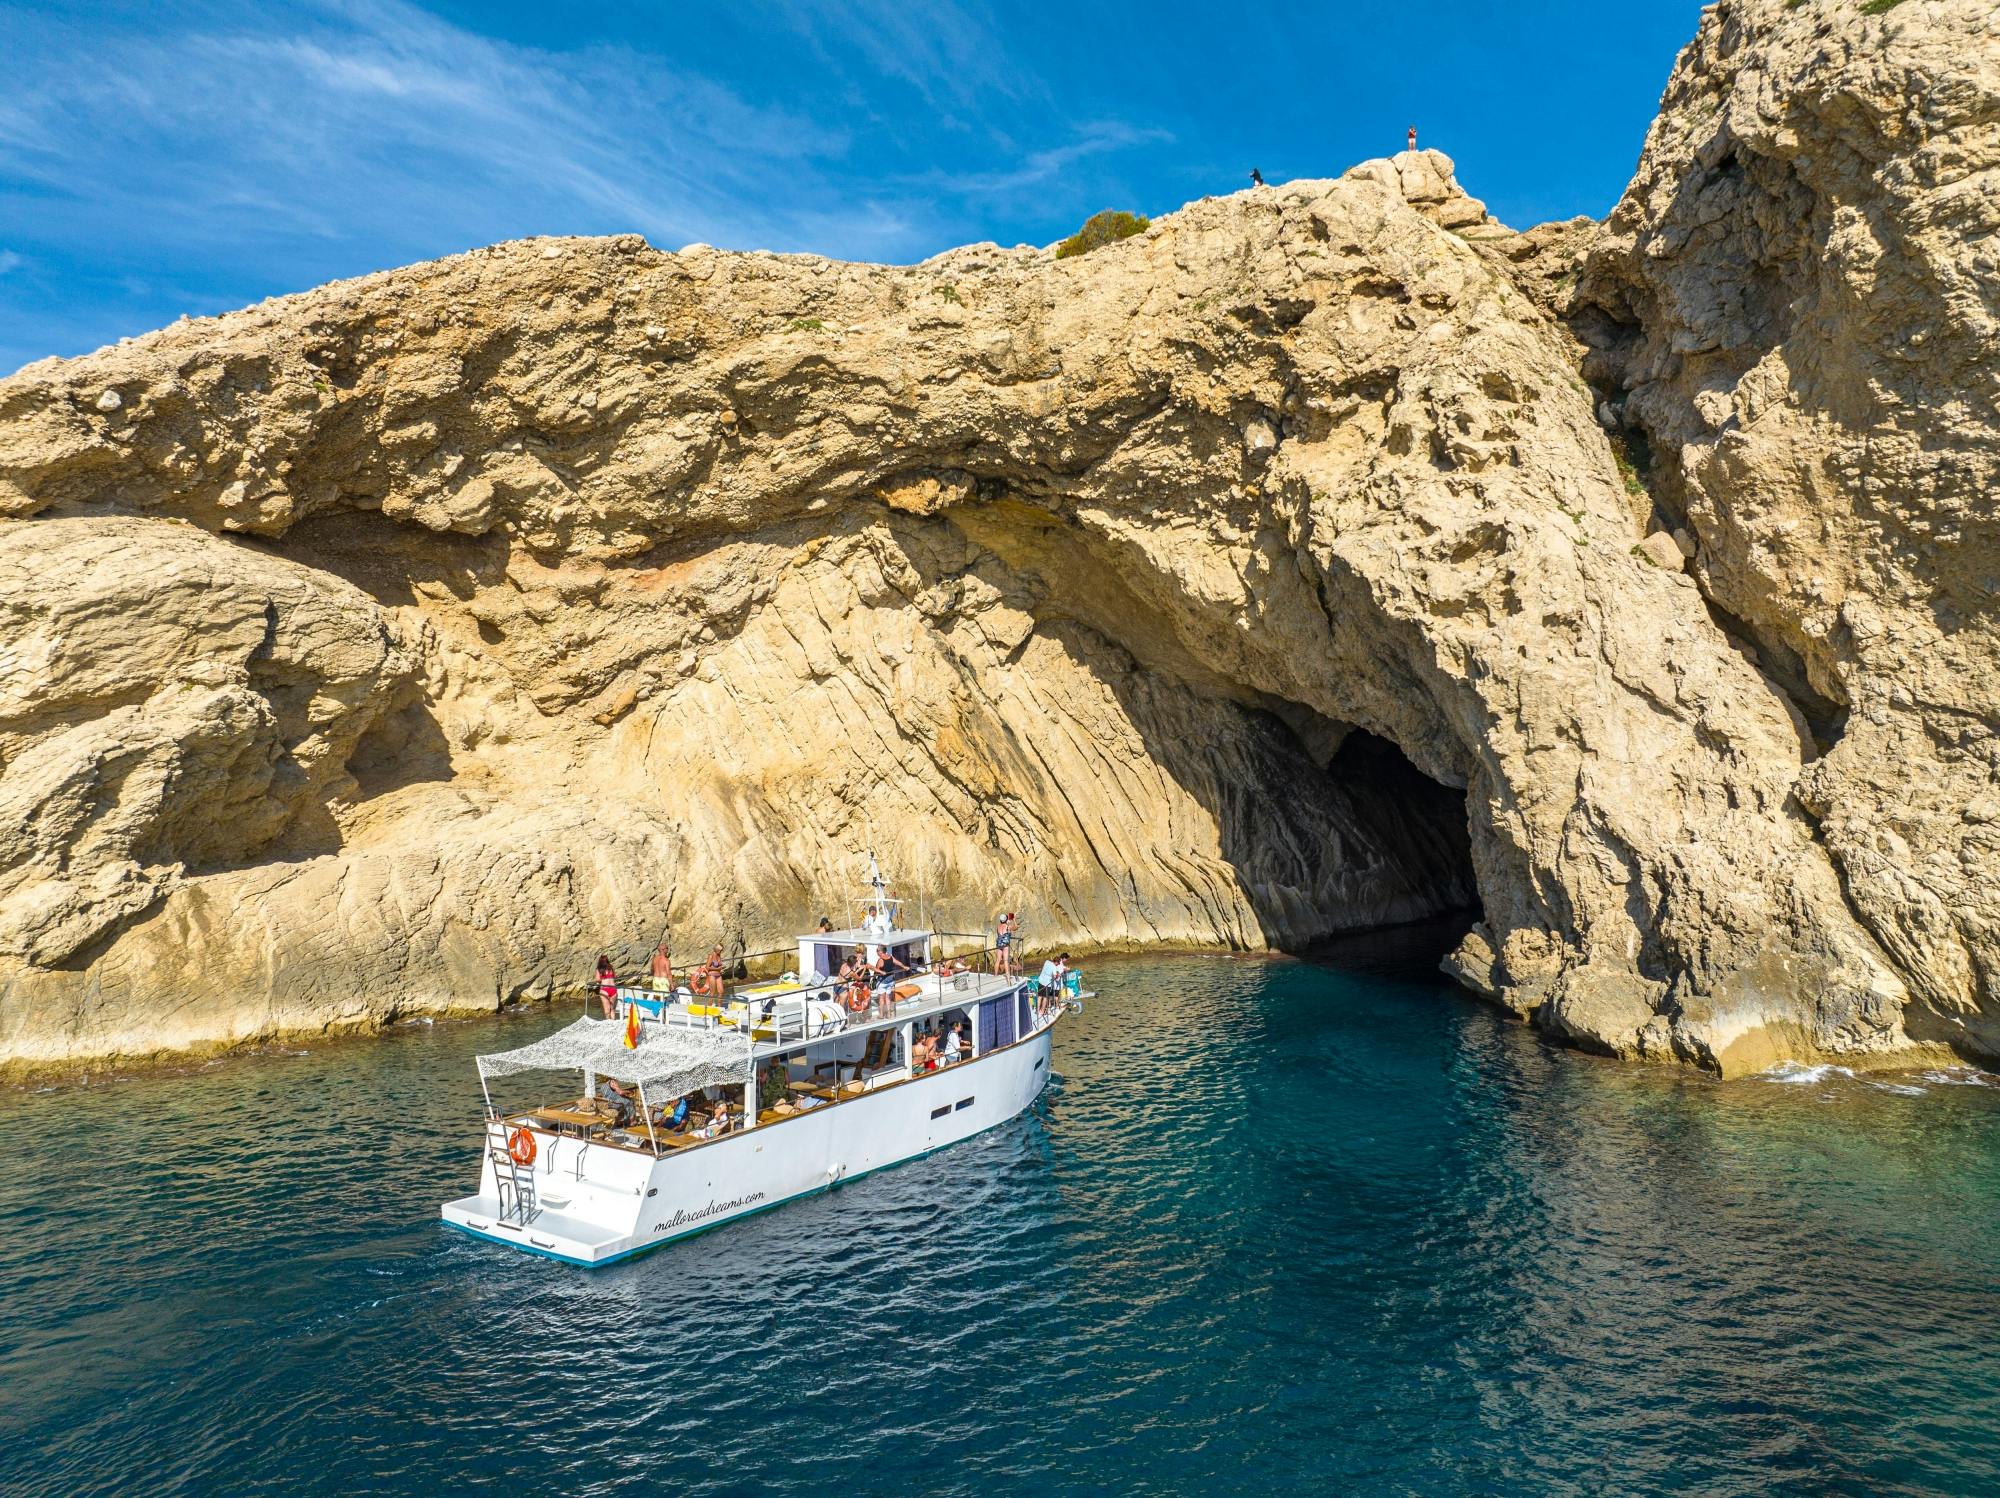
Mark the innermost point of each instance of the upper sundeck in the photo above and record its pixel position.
(780, 1014)
(868, 936)
(939, 994)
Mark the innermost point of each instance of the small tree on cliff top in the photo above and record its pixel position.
(1101, 229)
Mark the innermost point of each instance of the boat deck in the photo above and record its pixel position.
(779, 1018)
(805, 1095)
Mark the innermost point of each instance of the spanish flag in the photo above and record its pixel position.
(631, 1026)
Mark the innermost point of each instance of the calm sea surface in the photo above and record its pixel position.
(1277, 1226)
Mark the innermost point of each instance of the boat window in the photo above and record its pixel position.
(964, 1103)
(996, 1024)
(940, 1112)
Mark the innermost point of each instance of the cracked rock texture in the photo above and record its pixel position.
(400, 645)
(1796, 307)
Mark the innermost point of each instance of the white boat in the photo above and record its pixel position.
(581, 1184)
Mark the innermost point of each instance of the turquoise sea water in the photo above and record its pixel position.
(1280, 1226)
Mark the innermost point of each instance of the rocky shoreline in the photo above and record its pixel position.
(1324, 556)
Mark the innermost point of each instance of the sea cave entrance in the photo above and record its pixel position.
(1354, 837)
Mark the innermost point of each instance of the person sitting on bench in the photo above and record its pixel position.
(619, 1096)
(718, 1121)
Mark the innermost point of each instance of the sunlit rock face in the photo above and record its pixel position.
(1797, 307)
(401, 645)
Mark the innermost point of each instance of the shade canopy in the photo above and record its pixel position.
(673, 1060)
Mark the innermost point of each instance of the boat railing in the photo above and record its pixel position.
(803, 1011)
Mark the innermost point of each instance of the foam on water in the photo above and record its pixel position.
(1960, 1076)
(1275, 1225)
(1798, 1074)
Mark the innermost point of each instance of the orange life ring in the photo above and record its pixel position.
(858, 999)
(521, 1145)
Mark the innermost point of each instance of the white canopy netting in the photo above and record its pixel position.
(681, 1059)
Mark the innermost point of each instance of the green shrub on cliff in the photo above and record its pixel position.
(1101, 229)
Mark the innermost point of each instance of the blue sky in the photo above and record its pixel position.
(158, 158)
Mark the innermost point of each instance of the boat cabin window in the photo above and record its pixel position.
(827, 956)
(996, 1023)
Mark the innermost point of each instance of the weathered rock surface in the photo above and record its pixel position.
(410, 640)
(1797, 308)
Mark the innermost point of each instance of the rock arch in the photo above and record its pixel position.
(692, 566)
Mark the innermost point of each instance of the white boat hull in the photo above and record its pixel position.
(599, 1203)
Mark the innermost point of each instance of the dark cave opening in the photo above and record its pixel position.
(1406, 808)
(1357, 840)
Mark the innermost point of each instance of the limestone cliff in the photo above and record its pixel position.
(399, 645)
(1796, 309)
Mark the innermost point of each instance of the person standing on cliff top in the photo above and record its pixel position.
(1413, 137)
(1256, 177)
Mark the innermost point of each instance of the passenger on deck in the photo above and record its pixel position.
(718, 1121)
(893, 967)
(707, 979)
(954, 1044)
(607, 987)
(923, 1055)
(774, 1086)
(673, 1119)
(881, 984)
(663, 969)
(619, 1096)
(1053, 985)
(1003, 945)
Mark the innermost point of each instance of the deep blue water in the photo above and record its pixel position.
(1277, 1226)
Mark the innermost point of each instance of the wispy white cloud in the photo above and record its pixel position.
(1038, 167)
(187, 160)
(950, 51)
(359, 117)
(11, 260)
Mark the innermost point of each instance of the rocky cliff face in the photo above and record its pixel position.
(400, 645)
(1796, 311)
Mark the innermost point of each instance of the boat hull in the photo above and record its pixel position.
(600, 1204)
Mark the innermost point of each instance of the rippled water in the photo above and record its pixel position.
(1276, 1224)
